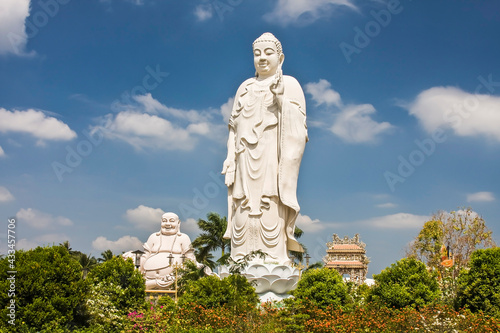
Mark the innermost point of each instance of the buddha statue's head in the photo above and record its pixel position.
(267, 55)
(170, 224)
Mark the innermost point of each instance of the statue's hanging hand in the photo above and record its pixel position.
(228, 169)
(277, 87)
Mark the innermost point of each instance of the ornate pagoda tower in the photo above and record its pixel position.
(348, 257)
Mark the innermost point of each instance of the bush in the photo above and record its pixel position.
(212, 292)
(405, 283)
(121, 284)
(479, 287)
(49, 289)
(322, 287)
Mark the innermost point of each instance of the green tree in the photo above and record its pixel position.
(189, 272)
(121, 282)
(49, 289)
(479, 287)
(233, 291)
(463, 231)
(106, 255)
(298, 256)
(86, 261)
(322, 287)
(405, 283)
(212, 239)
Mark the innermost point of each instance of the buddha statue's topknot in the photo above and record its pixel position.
(269, 37)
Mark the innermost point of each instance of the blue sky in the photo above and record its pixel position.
(112, 112)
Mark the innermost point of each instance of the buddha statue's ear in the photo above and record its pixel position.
(282, 58)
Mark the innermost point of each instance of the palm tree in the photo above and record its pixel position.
(106, 255)
(315, 265)
(211, 238)
(297, 233)
(206, 260)
(66, 245)
(87, 262)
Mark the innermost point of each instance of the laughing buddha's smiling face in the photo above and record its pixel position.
(169, 224)
(266, 58)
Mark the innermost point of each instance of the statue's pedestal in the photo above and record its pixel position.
(272, 282)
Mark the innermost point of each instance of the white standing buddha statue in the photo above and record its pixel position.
(267, 136)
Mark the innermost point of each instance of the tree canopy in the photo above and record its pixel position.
(479, 287)
(462, 231)
(405, 283)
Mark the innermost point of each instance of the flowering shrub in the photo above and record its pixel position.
(271, 318)
(101, 310)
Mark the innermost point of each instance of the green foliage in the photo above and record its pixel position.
(106, 255)
(49, 289)
(212, 292)
(238, 266)
(121, 282)
(189, 272)
(358, 294)
(99, 307)
(323, 288)
(405, 283)
(296, 256)
(479, 287)
(463, 231)
(166, 303)
(211, 238)
(428, 243)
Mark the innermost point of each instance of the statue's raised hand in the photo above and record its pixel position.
(277, 87)
(228, 169)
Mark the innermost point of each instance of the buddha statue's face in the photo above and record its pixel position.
(266, 58)
(170, 224)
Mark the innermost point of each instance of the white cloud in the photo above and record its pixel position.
(35, 123)
(322, 93)
(189, 226)
(226, 109)
(25, 244)
(151, 105)
(307, 224)
(148, 218)
(5, 195)
(125, 243)
(150, 124)
(396, 221)
(2, 152)
(480, 197)
(203, 12)
(464, 113)
(41, 240)
(144, 217)
(41, 220)
(387, 205)
(354, 124)
(304, 11)
(13, 37)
